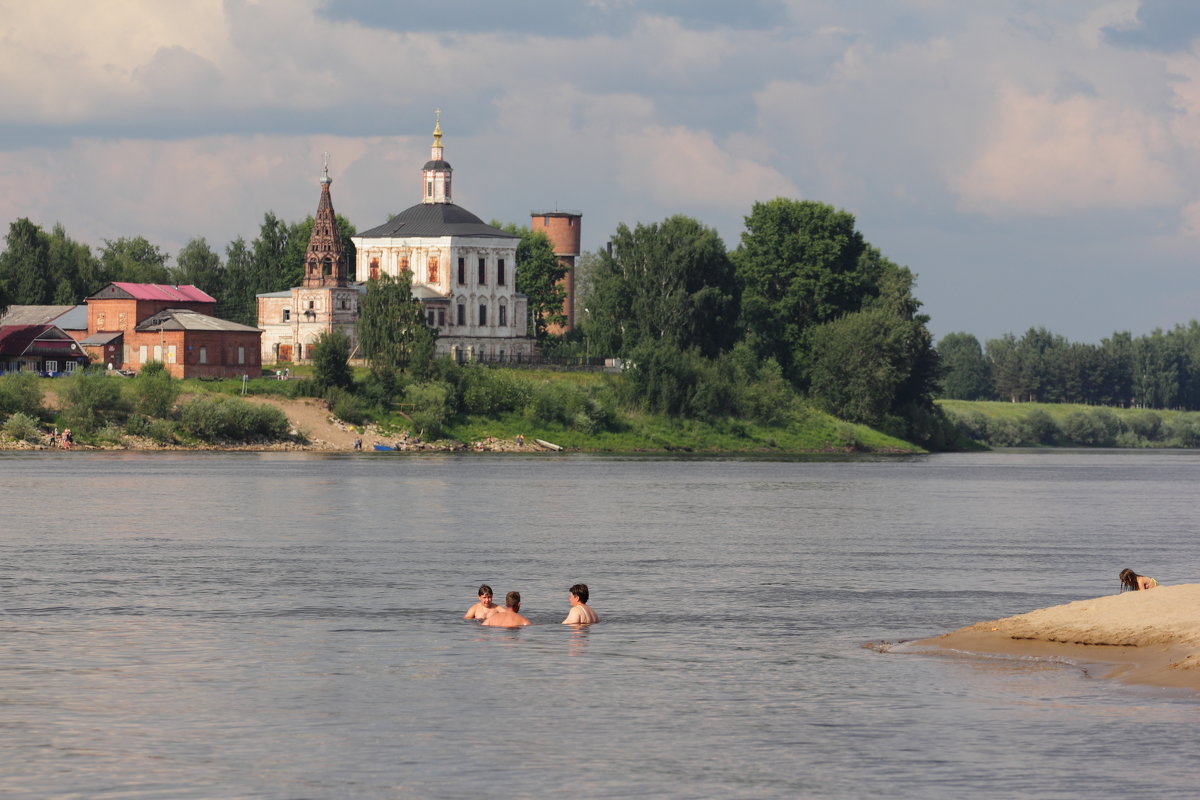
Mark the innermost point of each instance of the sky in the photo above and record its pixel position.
(1034, 162)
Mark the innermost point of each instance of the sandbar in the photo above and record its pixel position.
(1150, 637)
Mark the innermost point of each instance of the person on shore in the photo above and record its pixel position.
(508, 617)
(68, 438)
(485, 607)
(580, 613)
(1131, 580)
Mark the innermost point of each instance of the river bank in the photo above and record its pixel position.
(1149, 637)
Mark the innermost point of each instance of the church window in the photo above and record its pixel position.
(429, 188)
(433, 270)
(403, 262)
(462, 314)
(429, 317)
(374, 269)
(482, 314)
(327, 267)
(287, 314)
(462, 272)
(310, 304)
(503, 320)
(441, 317)
(500, 272)
(143, 354)
(482, 272)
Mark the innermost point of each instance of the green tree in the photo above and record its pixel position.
(331, 361)
(801, 264)
(154, 390)
(540, 277)
(670, 283)
(75, 272)
(135, 260)
(25, 265)
(391, 323)
(199, 266)
(236, 300)
(965, 374)
(862, 362)
(93, 399)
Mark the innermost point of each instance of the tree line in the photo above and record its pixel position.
(1160, 370)
(803, 310)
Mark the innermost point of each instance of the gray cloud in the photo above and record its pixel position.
(1165, 25)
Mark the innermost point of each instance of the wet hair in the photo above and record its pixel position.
(1129, 580)
(485, 589)
(580, 590)
(513, 600)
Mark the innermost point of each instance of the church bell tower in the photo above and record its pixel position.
(325, 260)
(436, 171)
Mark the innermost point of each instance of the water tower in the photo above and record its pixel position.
(562, 228)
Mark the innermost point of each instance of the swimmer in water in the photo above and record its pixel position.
(508, 617)
(580, 614)
(485, 607)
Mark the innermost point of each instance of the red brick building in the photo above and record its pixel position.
(563, 229)
(130, 324)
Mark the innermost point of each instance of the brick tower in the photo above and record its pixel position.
(562, 228)
(325, 261)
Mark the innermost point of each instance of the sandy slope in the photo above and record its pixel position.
(1149, 637)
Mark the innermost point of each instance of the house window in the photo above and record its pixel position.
(51, 366)
(71, 365)
(203, 354)
(241, 355)
(433, 270)
(503, 316)
(158, 352)
(287, 314)
(143, 354)
(462, 314)
(482, 272)
(482, 314)
(441, 317)
(500, 272)
(462, 271)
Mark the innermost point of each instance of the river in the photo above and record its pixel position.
(288, 625)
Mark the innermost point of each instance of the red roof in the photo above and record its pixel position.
(15, 339)
(163, 291)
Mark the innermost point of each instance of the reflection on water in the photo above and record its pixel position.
(295, 618)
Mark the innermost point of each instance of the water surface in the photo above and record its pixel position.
(205, 625)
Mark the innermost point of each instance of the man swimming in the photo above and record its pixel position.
(485, 607)
(580, 614)
(508, 617)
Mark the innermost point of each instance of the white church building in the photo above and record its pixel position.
(464, 271)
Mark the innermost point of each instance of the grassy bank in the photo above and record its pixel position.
(999, 424)
(576, 410)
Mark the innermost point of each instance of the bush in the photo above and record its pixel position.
(1040, 427)
(1184, 430)
(1095, 428)
(220, 418)
(155, 392)
(21, 427)
(1146, 424)
(162, 431)
(92, 400)
(1005, 433)
(348, 407)
(21, 391)
(430, 407)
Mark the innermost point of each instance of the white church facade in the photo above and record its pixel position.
(463, 270)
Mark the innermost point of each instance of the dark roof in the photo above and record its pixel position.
(435, 219)
(436, 165)
(185, 319)
(18, 340)
(102, 337)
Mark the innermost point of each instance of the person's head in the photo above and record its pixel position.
(513, 600)
(580, 590)
(1129, 580)
(485, 593)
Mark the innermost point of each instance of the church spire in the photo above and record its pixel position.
(325, 260)
(436, 172)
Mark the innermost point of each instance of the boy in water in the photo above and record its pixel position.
(485, 607)
(580, 614)
(508, 617)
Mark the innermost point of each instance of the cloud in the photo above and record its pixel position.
(1048, 157)
(1163, 25)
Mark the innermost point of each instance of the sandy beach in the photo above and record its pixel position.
(1149, 637)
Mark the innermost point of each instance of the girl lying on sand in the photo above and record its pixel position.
(1131, 580)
